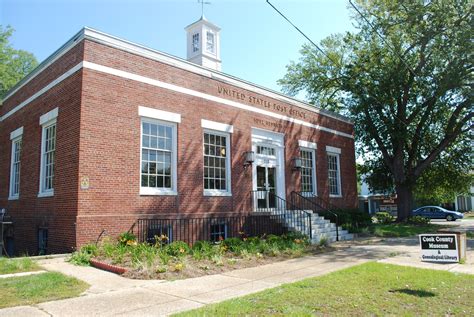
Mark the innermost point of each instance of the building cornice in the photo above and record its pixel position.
(112, 41)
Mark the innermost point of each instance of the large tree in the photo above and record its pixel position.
(405, 77)
(14, 64)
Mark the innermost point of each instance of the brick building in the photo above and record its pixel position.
(105, 132)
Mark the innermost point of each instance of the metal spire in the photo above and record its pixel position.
(203, 2)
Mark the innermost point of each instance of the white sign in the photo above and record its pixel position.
(439, 248)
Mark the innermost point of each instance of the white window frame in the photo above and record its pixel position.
(15, 137)
(313, 153)
(334, 151)
(47, 120)
(171, 119)
(213, 51)
(174, 159)
(228, 170)
(194, 47)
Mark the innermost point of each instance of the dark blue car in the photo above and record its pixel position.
(435, 212)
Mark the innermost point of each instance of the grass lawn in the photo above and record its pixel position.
(8, 266)
(32, 289)
(403, 229)
(364, 290)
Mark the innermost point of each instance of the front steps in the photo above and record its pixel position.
(321, 229)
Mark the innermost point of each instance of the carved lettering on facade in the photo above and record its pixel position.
(267, 123)
(288, 110)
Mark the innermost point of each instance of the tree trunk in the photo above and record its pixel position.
(404, 201)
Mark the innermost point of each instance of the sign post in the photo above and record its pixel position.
(439, 248)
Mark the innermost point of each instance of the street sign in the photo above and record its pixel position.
(439, 248)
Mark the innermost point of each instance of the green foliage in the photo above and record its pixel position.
(127, 238)
(419, 220)
(14, 64)
(405, 79)
(177, 248)
(384, 217)
(353, 220)
(83, 255)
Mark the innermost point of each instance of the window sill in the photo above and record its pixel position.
(144, 191)
(13, 197)
(211, 193)
(46, 194)
(335, 196)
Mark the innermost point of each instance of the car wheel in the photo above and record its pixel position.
(449, 218)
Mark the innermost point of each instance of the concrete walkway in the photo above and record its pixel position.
(111, 295)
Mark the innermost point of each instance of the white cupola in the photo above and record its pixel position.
(203, 44)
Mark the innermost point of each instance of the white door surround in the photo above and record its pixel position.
(273, 158)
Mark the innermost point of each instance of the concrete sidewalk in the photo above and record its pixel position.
(111, 294)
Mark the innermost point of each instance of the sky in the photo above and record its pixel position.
(256, 42)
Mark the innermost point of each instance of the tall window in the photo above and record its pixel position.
(210, 42)
(158, 156)
(334, 175)
(196, 42)
(308, 171)
(216, 162)
(15, 168)
(48, 150)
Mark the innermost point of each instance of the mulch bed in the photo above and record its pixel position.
(195, 268)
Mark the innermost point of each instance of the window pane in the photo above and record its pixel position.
(156, 159)
(215, 161)
(333, 174)
(49, 147)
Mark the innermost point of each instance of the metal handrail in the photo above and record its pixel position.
(314, 207)
(282, 208)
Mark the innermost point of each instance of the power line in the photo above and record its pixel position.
(337, 63)
(302, 33)
(382, 38)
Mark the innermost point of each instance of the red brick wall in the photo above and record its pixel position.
(110, 146)
(98, 137)
(57, 213)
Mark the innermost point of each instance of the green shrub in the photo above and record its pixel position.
(233, 244)
(84, 255)
(127, 238)
(353, 220)
(177, 248)
(419, 220)
(384, 217)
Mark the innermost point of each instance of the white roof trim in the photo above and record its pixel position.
(49, 116)
(141, 50)
(333, 149)
(159, 114)
(17, 133)
(42, 91)
(187, 91)
(217, 126)
(307, 144)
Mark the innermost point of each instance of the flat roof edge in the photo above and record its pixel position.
(46, 63)
(107, 39)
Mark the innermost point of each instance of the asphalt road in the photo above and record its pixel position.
(467, 224)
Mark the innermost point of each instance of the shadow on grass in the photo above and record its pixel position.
(413, 292)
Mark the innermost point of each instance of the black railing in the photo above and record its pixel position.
(283, 211)
(191, 230)
(307, 201)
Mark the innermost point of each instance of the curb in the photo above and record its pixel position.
(107, 267)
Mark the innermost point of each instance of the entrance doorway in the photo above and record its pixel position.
(266, 187)
(268, 169)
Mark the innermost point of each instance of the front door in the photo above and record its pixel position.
(266, 187)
